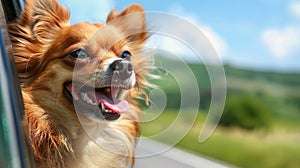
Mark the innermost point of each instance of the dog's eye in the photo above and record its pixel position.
(78, 54)
(126, 54)
(78, 57)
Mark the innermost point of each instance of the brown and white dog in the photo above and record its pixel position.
(79, 84)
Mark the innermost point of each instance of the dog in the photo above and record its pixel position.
(80, 84)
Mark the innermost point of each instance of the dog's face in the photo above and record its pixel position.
(97, 73)
(95, 67)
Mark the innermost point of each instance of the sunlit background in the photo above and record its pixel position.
(261, 34)
(259, 45)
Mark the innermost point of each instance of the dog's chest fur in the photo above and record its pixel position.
(99, 151)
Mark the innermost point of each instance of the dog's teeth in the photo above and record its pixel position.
(84, 95)
(87, 99)
(102, 107)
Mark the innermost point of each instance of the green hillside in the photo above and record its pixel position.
(280, 92)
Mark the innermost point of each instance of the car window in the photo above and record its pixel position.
(13, 149)
(8, 137)
(4, 152)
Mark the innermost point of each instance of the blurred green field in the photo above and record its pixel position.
(275, 145)
(275, 148)
(280, 91)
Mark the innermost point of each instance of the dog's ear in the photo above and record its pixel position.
(44, 18)
(131, 21)
(33, 32)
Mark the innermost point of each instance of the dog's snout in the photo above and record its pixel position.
(121, 67)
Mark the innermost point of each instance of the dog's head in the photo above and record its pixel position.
(99, 68)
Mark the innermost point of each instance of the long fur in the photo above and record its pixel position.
(41, 38)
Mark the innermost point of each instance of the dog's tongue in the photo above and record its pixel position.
(112, 104)
(120, 107)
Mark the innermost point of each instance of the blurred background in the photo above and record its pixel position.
(258, 43)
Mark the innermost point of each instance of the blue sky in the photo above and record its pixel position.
(261, 34)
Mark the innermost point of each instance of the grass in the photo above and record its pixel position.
(274, 148)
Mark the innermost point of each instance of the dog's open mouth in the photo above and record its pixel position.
(106, 98)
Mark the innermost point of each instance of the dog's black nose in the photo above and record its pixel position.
(122, 68)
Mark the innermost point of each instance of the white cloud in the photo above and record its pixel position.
(187, 34)
(216, 40)
(171, 45)
(282, 43)
(294, 8)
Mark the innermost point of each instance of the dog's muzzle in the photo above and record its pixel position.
(107, 96)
